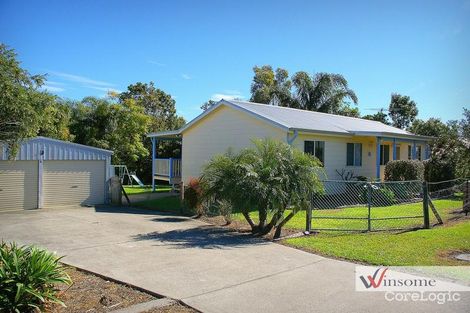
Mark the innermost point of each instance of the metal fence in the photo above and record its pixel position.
(369, 206)
(449, 198)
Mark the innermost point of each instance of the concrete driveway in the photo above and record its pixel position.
(208, 268)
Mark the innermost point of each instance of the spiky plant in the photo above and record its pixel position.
(28, 278)
(269, 178)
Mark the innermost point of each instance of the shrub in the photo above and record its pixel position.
(271, 177)
(400, 170)
(438, 170)
(380, 196)
(192, 196)
(28, 278)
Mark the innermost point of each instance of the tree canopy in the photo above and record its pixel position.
(402, 110)
(380, 116)
(25, 110)
(323, 92)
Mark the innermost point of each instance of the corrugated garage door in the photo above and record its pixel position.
(18, 185)
(73, 182)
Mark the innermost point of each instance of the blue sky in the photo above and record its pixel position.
(197, 50)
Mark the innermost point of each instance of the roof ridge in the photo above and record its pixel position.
(296, 109)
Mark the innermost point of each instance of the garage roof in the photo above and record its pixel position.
(53, 149)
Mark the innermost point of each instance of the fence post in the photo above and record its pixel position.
(466, 198)
(308, 221)
(369, 203)
(426, 205)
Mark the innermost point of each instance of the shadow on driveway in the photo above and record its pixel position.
(130, 210)
(203, 237)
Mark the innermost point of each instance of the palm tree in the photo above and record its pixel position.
(270, 178)
(323, 92)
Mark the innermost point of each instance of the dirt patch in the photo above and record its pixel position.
(175, 308)
(457, 216)
(449, 256)
(90, 293)
(244, 227)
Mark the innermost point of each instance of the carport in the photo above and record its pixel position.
(48, 172)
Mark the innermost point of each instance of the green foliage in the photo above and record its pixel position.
(118, 126)
(208, 104)
(26, 111)
(463, 155)
(271, 87)
(269, 178)
(379, 197)
(28, 276)
(193, 196)
(402, 110)
(160, 107)
(380, 116)
(432, 127)
(436, 169)
(323, 92)
(401, 170)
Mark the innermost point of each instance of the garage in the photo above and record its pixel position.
(18, 185)
(48, 173)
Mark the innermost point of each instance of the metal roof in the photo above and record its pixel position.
(291, 119)
(53, 149)
(169, 134)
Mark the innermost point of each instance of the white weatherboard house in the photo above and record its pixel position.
(49, 173)
(340, 142)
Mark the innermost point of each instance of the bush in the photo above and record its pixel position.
(380, 196)
(28, 278)
(192, 196)
(438, 170)
(400, 170)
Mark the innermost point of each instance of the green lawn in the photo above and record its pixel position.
(170, 204)
(445, 207)
(422, 247)
(132, 190)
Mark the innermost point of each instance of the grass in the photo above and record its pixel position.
(136, 189)
(422, 247)
(170, 204)
(445, 207)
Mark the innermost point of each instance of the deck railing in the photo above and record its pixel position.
(170, 168)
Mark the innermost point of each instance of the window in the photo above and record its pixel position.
(418, 152)
(398, 152)
(354, 154)
(410, 153)
(316, 148)
(384, 154)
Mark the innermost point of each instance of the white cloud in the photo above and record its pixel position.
(106, 89)
(226, 96)
(81, 79)
(156, 63)
(185, 76)
(48, 87)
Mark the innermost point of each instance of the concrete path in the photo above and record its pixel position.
(207, 268)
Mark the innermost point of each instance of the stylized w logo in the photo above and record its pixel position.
(370, 281)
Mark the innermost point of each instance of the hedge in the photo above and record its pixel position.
(400, 170)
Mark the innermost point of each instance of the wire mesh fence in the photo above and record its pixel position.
(376, 206)
(449, 198)
(368, 206)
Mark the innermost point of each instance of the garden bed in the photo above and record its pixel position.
(91, 293)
